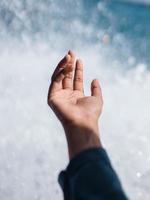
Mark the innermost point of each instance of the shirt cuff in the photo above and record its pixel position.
(89, 155)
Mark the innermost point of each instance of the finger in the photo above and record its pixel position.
(78, 76)
(67, 81)
(96, 89)
(56, 84)
(61, 65)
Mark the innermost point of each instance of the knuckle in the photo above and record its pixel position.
(79, 79)
(69, 76)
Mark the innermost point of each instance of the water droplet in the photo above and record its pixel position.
(138, 174)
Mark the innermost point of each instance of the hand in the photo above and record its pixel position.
(78, 113)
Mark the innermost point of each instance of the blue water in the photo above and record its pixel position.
(38, 21)
(113, 39)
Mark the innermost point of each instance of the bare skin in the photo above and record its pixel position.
(78, 113)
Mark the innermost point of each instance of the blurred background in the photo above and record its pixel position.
(113, 39)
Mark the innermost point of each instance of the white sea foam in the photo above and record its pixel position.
(32, 145)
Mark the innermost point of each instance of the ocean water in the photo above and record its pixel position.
(113, 39)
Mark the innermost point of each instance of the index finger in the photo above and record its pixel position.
(61, 65)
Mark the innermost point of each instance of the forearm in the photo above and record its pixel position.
(80, 138)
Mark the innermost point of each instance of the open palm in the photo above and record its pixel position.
(66, 95)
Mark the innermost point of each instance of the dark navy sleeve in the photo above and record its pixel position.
(90, 176)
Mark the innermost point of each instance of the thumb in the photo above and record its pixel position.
(96, 89)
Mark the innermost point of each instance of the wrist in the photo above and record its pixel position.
(80, 137)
